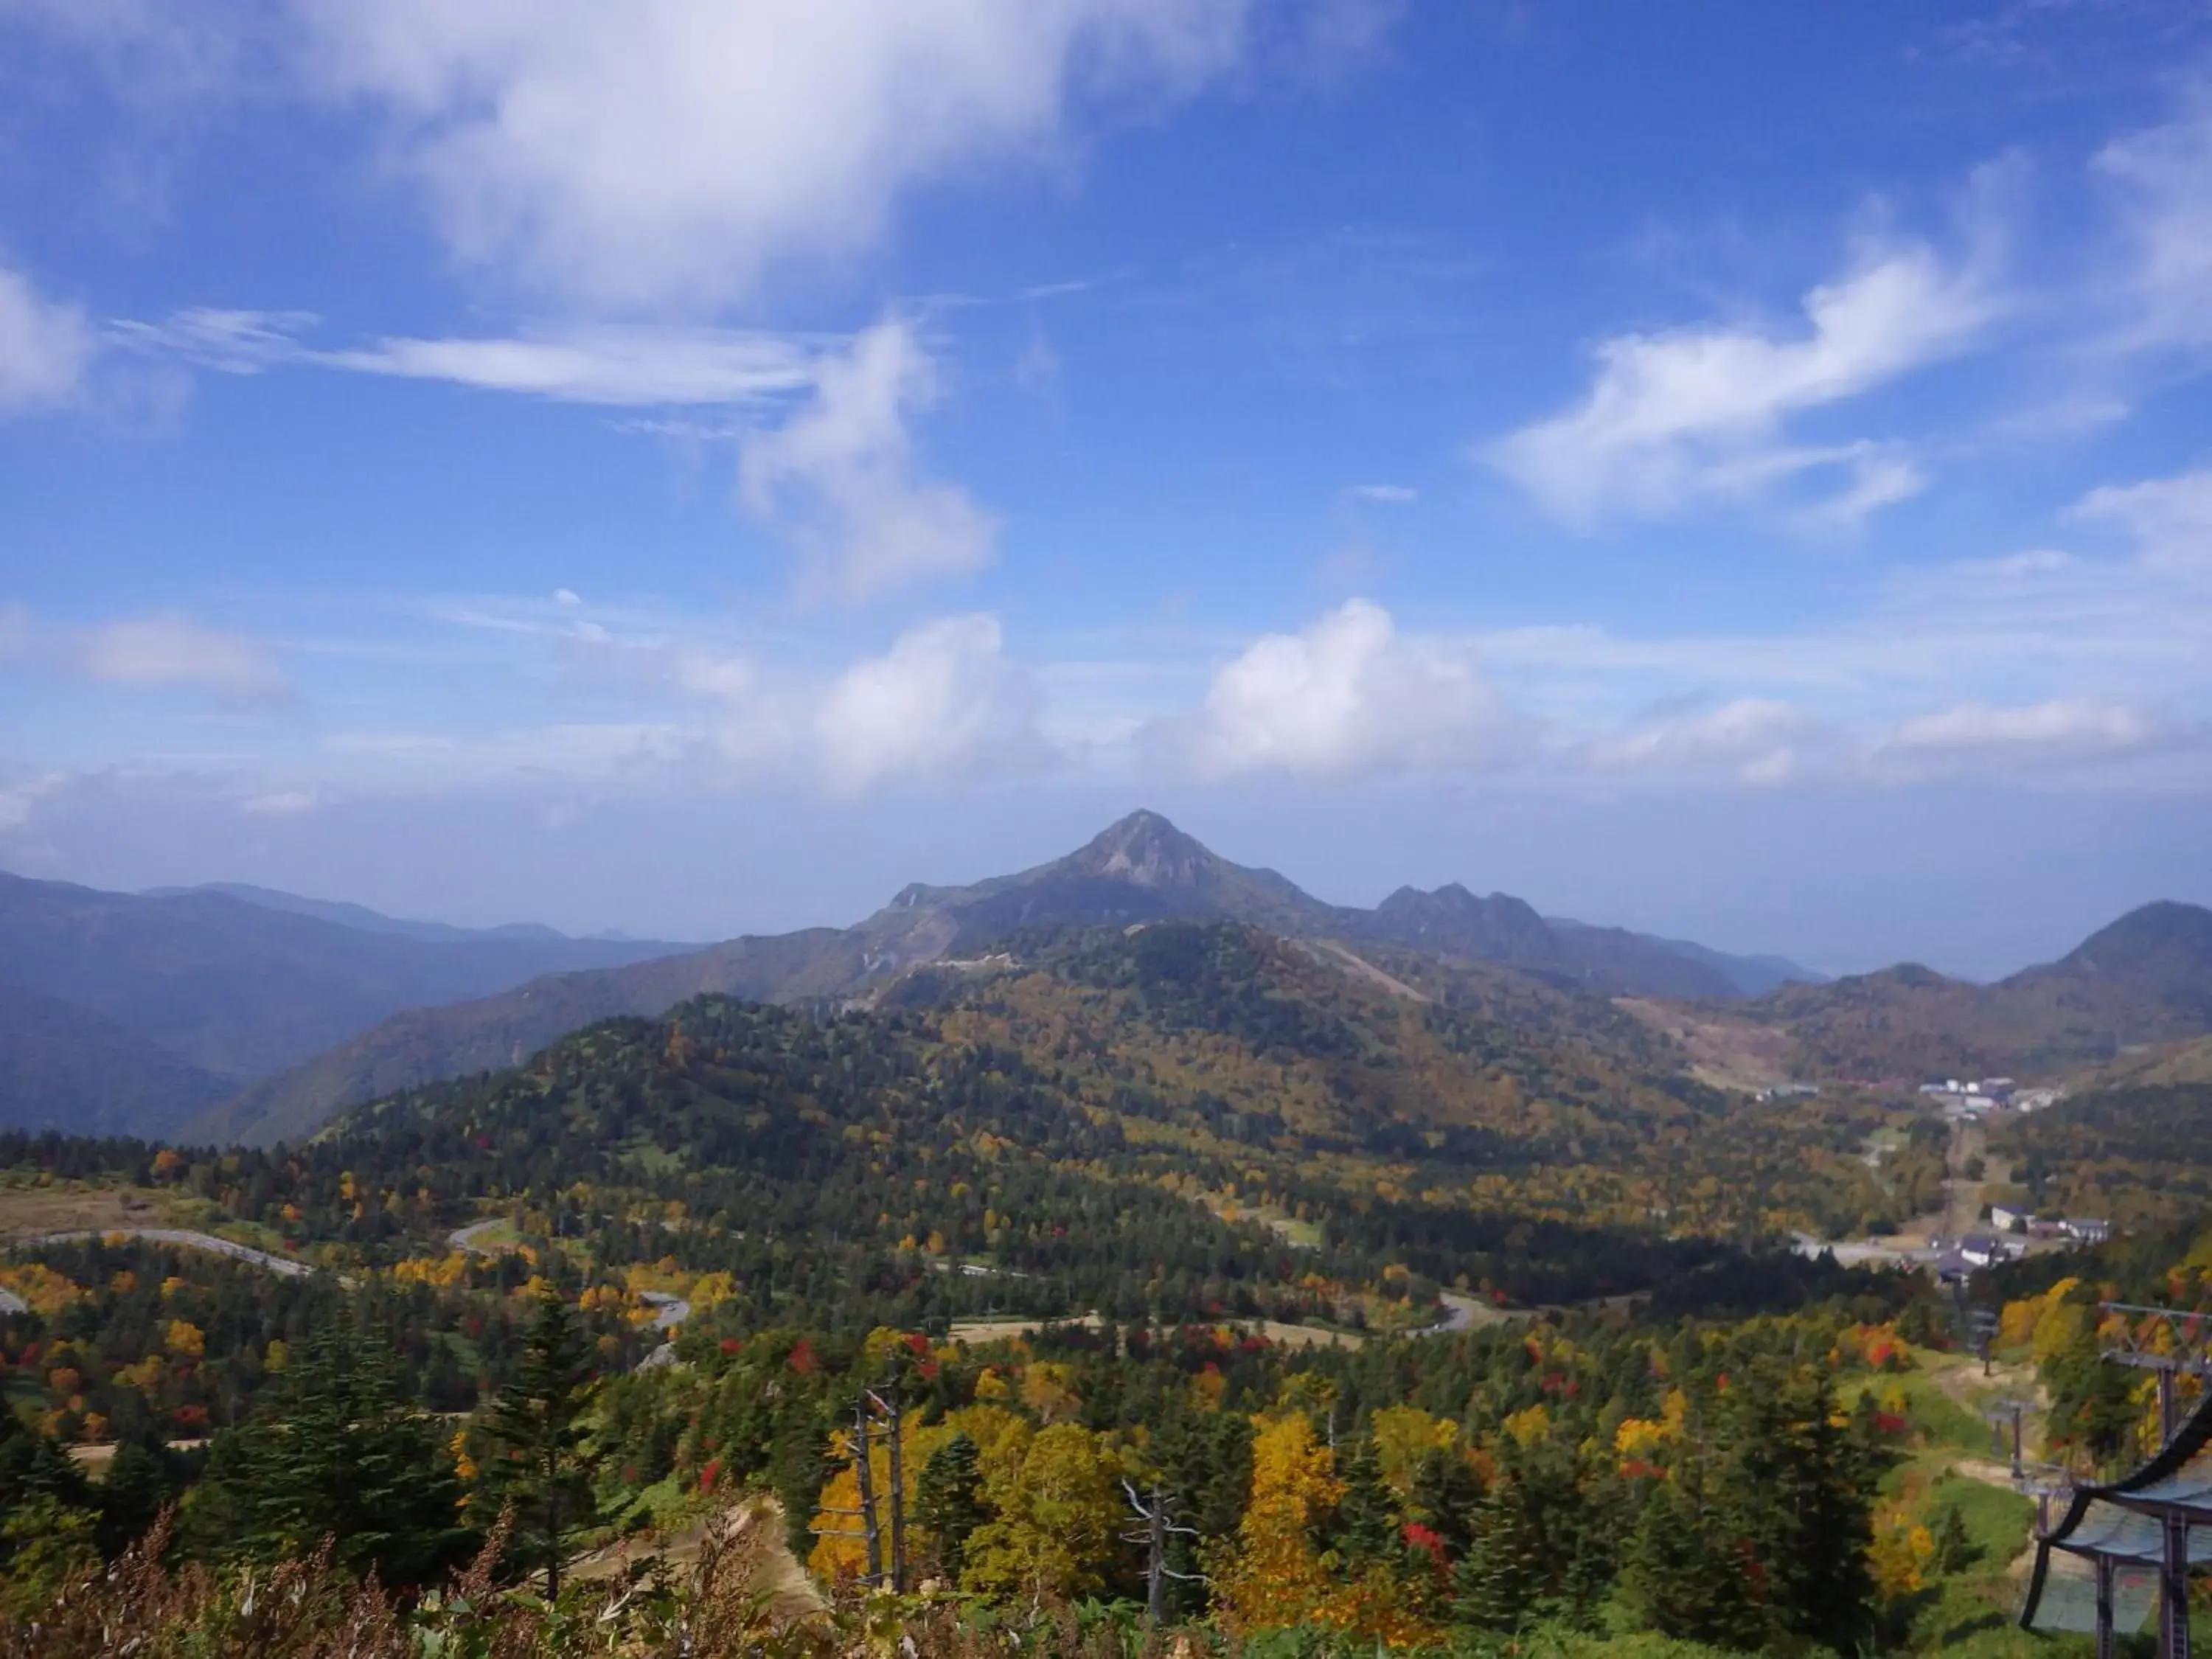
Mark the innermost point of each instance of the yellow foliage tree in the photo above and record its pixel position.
(1048, 1390)
(1528, 1427)
(1403, 1436)
(184, 1337)
(1901, 1550)
(1276, 1578)
(1055, 1520)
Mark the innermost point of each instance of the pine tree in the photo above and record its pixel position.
(132, 1493)
(540, 1464)
(1683, 1578)
(1445, 1494)
(1365, 1528)
(949, 1501)
(337, 1450)
(1500, 1581)
(1955, 1550)
(1798, 1495)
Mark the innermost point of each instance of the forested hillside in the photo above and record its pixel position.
(1140, 870)
(2146, 979)
(1438, 1302)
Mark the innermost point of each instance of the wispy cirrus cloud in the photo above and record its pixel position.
(620, 367)
(837, 475)
(2161, 180)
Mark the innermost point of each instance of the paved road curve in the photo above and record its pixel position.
(668, 1311)
(276, 1264)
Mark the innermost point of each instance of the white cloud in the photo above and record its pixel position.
(45, 347)
(284, 803)
(21, 799)
(630, 367)
(1755, 740)
(163, 649)
(2163, 178)
(1347, 696)
(1696, 414)
(840, 476)
(1386, 495)
(170, 649)
(623, 366)
(942, 705)
(2171, 519)
(672, 153)
(2062, 741)
(2067, 725)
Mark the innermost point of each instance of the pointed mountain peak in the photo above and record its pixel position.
(1145, 850)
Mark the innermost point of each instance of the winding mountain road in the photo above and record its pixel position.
(288, 1266)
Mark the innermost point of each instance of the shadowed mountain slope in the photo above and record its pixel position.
(233, 990)
(62, 1067)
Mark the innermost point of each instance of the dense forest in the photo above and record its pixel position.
(1179, 1275)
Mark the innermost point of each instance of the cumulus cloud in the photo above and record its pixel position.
(170, 649)
(942, 705)
(45, 347)
(673, 153)
(840, 476)
(1696, 415)
(1347, 696)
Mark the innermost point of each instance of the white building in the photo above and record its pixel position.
(2007, 1219)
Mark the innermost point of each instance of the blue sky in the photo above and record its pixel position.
(1739, 471)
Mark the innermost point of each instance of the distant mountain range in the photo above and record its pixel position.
(135, 1011)
(244, 1014)
(1141, 869)
(2144, 980)
(359, 915)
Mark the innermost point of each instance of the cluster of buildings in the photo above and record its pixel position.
(1955, 1259)
(1972, 1096)
(2080, 1229)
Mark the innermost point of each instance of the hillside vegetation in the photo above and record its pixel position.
(2146, 979)
(1140, 870)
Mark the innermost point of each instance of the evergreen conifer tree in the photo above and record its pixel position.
(1954, 1545)
(949, 1501)
(1799, 1498)
(1682, 1575)
(1366, 1525)
(1445, 1494)
(337, 1450)
(540, 1461)
(132, 1493)
(1500, 1581)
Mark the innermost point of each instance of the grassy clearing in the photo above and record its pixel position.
(28, 1209)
